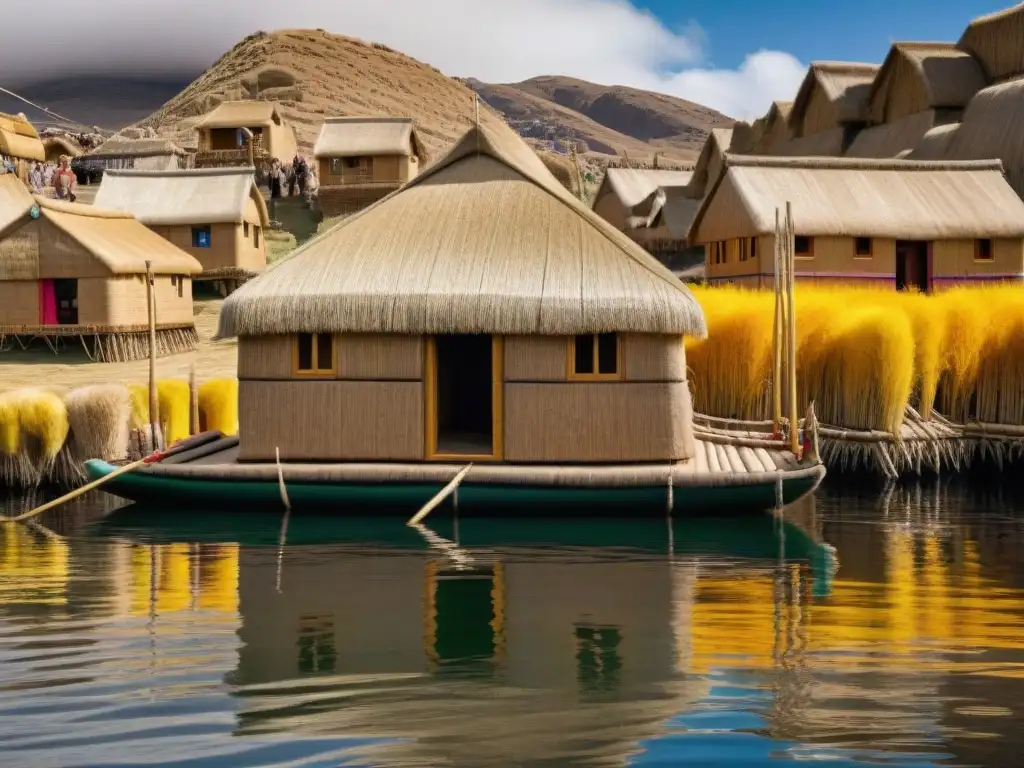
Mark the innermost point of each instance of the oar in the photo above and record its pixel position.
(443, 494)
(153, 458)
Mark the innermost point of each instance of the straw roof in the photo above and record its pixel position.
(120, 146)
(995, 41)
(115, 239)
(775, 129)
(64, 145)
(821, 144)
(673, 214)
(18, 138)
(889, 139)
(710, 161)
(934, 144)
(484, 241)
(897, 199)
(169, 198)
(744, 136)
(845, 86)
(919, 76)
(992, 127)
(368, 136)
(633, 186)
(241, 114)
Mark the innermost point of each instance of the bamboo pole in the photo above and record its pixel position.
(777, 341)
(794, 429)
(193, 402)
(154, 414)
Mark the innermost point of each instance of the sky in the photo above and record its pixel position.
(736, 56)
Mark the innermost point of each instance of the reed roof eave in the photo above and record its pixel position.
(485, 256)
(369, 136)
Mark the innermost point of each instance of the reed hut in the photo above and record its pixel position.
(919, 87)
(774, 131)
(71, 271)
(664, 233)
(223, 142)
(19, 141)
(895, 223)
(121, 153)
(710, 162)
(55, 146)
(362, 159)
(481, 311)
(995, 41)
(993, 126)
(215, 214)
(630, 192)
(829, 109)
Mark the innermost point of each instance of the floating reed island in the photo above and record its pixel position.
(46, 435)
(901, 382)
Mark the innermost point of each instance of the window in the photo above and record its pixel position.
(353, 162)
(245, 229)
(594, 356)
(725, 252)
(803, 247)
(744, 246)
(256, 236)
(717, 247)
(201, 237)
(753, 247)
(983, 250)
(314, 354)
(178, 284)
(862, 248)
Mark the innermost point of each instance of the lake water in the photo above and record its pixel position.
(863, 628)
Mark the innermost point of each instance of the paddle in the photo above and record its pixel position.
(179, 447)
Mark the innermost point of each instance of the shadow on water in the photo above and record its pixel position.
(361, 641)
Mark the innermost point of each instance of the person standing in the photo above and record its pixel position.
(275, 183)
(35, 178)
(64, 181)
(301, 172)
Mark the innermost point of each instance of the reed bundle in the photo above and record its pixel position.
(863, 355)
(218, 406)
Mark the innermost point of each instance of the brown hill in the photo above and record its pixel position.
(611, 119)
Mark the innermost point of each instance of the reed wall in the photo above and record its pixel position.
(19, 302)
(339, 420)
(382, 169)
(820, 114)
(231, 245)
(955, 261)
(360, 357)
(610, 209)
(349, 199)
(19, 252)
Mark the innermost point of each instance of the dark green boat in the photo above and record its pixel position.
(209, 475)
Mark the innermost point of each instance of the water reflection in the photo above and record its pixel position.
(564, 644)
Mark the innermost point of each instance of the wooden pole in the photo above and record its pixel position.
(794, 422)
(777, 339)
(154, 409)
(193, 402)
(443, 494)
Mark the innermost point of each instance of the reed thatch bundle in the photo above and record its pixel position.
(99, 418)
(175, 406)
(218, 406)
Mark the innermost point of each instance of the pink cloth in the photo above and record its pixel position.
(47, 303)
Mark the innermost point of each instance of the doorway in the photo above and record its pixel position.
(65, 293)
(912, 268)
(462, 412)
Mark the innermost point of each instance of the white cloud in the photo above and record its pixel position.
(605, 41)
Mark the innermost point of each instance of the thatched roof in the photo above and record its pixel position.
(775, 129)
(168, 198)
(744, 136)
(993, 126)
(673, 214)
(368, 136)
(897, 199)
(119, 146)
(710, 161)
(889, 139)
(484, 241)
(934, 144)
(115, 239)
(919, 76)
(65, 145)
(19, 138)
(995, 41)
(634, 185)
(844, 85)
(241, 114)
(821, 144)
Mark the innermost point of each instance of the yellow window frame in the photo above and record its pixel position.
(315, 372)
(570, 368)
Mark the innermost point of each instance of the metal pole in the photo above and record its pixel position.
(153, 403)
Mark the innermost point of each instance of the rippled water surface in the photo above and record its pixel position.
(861, 629)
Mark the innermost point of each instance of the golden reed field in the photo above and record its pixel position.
(864, 354)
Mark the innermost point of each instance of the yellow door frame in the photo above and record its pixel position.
(497, 404)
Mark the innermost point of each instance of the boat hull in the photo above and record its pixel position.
(498, 499)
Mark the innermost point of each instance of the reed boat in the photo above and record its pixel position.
(726, 475)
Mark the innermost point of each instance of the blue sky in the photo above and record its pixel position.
(844, 30)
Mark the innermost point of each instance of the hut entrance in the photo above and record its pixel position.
(65, 294)
(912, 266)
(463, 407)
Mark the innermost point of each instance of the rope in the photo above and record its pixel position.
(67, 120)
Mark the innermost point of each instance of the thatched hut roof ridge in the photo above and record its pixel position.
(121, 146)
(180, 197)
(634, 185)
(995, 41)
(484, 241)
(845, 84)
(368, 136)
(241, 114)
(840, 197)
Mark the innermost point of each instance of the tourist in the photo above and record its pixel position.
(35, 178)
(64, 181)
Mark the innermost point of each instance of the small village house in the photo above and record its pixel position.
(55, 146)
(630, 192)
(830, 109)
(120, 153)
(895, 223)
(71, 271)
(222, 142)
(480, 313)
(215, 214)
(362, 159)
(19, 141)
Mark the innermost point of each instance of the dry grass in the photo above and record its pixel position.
(863, 355)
